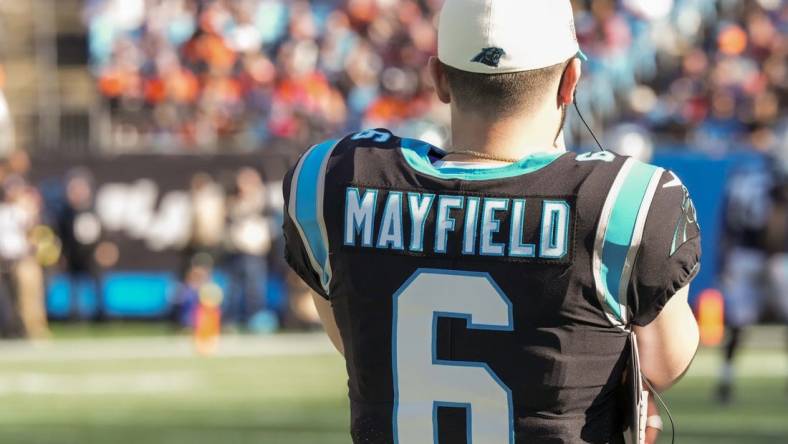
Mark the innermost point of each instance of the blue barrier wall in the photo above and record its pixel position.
(136, 294)
(706, 178)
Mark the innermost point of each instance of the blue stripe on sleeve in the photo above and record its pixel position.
(620, 231)
(308, 206)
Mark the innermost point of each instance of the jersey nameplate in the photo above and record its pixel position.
(523, 228)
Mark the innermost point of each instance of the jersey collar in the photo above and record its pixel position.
(417, 155)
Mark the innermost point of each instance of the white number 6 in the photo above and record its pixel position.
(422, 382)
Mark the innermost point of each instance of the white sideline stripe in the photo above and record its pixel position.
(115, 383)
(163, 348)
(755, 363)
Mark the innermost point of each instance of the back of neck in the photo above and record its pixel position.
(514, 137)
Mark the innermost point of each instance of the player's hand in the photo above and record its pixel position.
(652, 433)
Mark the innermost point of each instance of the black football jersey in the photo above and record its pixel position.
(486, 305)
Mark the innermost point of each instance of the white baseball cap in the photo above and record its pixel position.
(500, 36)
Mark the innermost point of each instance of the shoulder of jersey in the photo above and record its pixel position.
(626, 171)
(334, 156)
(603, 162)
(378, 137)
(601, 158)
(370, 138)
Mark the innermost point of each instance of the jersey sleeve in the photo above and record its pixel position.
(307, 189)
(669, 255)
(297, 250)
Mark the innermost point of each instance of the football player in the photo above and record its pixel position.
(755, 263)
(496, 290)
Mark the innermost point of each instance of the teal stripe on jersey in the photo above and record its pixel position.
(308, 215)
(621, 231)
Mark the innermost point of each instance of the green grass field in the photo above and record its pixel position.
(286, 389)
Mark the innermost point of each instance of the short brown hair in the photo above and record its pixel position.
(502, 94)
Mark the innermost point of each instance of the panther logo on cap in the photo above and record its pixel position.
(489, 56)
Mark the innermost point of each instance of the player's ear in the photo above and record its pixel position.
(439, 80)
(569, 80)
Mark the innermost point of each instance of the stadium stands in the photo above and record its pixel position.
(212, 73)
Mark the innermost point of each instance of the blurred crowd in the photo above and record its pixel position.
(709, 74)
(181, 74)
(26, 246)
(235, 229)
(218, 235)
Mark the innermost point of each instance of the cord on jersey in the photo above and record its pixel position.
(667, 410)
